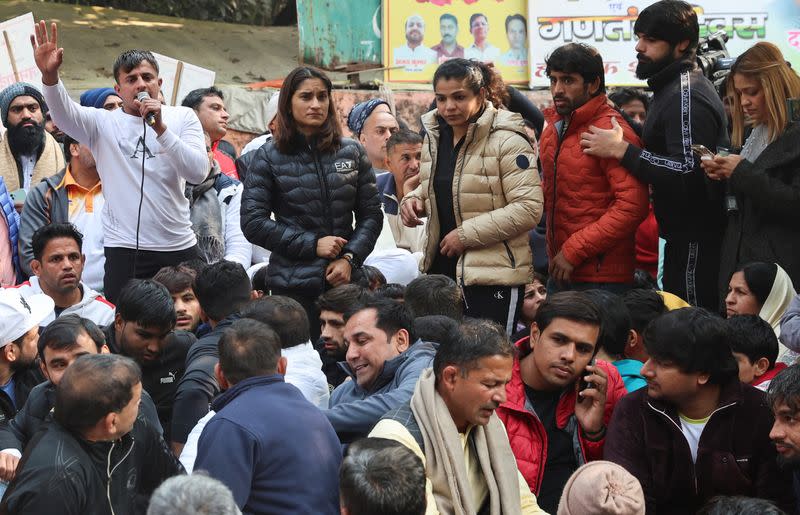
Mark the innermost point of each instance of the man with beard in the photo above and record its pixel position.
(593, 205)
(19, 336)
(414, 55)
(686, 110)
(332, 306)
(448, 48)
(28, 153)
(783, 396)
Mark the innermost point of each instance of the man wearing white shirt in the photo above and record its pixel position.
(414, 55)
(142, 232)
(481, 49)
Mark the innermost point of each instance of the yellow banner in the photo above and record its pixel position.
(418, 35)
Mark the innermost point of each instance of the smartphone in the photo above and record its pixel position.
(702, 152)
(584, 384)
(18, 196)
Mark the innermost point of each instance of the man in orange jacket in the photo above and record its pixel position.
(593, 205)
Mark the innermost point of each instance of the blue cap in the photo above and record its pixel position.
(96, 97)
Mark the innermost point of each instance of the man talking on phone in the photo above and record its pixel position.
(145, 154)
(560, 399)
(685, 111)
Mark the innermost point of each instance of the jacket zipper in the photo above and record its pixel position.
(110, 470)
(458, 198)
(600, 258)
(510, 255)
(323, 182)
(694, 465)
(432, 197)
(560, 135)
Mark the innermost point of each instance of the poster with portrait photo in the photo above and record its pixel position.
(608, 26)
(418, 35)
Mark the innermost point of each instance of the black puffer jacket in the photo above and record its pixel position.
(312, 195)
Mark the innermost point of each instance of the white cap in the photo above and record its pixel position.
(19, 315)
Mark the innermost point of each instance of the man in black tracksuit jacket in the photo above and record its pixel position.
(86, 466)
(686, 110)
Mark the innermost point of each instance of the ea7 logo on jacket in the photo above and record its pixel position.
(346, 165)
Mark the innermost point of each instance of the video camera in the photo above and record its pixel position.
(714, 59)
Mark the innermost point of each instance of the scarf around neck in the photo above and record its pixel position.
(444, 456)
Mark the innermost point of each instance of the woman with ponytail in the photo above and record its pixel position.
(479, 188)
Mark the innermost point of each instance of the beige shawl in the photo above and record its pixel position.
(50, 163)
(444, 456)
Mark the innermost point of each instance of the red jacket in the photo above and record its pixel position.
(527, 435)
(226, 163)
(593, 206)
(647, 244)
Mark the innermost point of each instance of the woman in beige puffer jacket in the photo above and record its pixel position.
(480, 189)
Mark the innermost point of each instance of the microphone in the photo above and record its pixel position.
(150, 118)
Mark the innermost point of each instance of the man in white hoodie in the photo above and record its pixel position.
(58, 265)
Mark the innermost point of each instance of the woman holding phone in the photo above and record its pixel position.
(764, 179)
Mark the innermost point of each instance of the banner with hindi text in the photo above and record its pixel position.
(608, 26)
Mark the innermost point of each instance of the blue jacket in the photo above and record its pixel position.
(12, 219)
(272, 448)
(629, 370)
(354, 411)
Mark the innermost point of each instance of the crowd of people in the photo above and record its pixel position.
(478, 318)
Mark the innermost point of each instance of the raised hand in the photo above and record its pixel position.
(46, 52)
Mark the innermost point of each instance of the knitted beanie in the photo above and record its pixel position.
(602, 488)
(15, 90)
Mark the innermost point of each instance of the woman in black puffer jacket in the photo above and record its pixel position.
(314, 182)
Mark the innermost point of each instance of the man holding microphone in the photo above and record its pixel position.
(143, 148)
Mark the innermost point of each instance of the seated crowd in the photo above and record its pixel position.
(399, 323)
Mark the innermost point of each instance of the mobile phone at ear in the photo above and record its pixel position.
(702, 152)
(584, 384)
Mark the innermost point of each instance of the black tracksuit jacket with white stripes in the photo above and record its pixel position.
(686, 110)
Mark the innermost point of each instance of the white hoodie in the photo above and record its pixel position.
(92, 305)
(304, 370)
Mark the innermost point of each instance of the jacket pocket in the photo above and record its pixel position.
(510, 255)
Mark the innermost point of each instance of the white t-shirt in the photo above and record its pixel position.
(170, 161)
(692, 429)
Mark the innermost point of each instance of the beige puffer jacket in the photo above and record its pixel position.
(497, 199)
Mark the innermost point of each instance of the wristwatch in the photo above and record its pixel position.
(349, 258)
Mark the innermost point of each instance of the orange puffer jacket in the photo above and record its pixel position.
(593, 205)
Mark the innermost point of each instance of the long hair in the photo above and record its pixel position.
(329, 136)
(764, 63)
